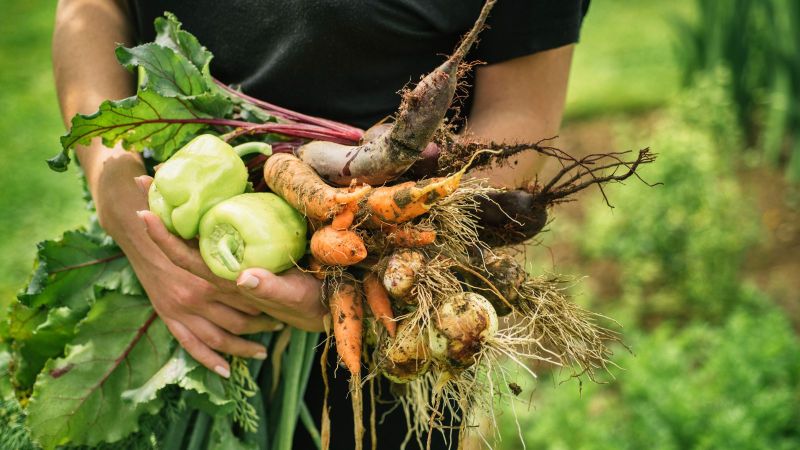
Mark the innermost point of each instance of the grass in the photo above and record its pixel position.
(36, 203)
(625, 62)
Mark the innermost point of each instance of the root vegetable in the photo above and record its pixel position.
(403, 202)
(345, 219)
(510, 217)
(298, 184)
(401, 273)
(506, 275)
(421, 113)
(315, 267)
(460, 327)
(406, 357)
(410, 236)
(337, 247)
(347, 315)
(378, 301)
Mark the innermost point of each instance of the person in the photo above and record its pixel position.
(340, 59)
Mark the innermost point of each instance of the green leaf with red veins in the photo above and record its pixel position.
(69, 274)
(77, 399)
(69, 271)
(145, 121)
(169, 34)
(166, 72)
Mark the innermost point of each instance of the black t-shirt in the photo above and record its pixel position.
(346, 60)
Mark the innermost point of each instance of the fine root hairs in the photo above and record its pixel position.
(569, 334)
(545, 327)
(455, 219)
(435, 280)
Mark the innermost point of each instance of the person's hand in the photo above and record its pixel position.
(204, 306)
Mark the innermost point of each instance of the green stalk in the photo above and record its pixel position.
(176, 432)
(262, 436)
(293, 368)
(199, 432)
(308, 422)
(253, 147)
(226, 254)
(308, 362)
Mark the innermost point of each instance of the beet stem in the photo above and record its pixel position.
(352, 134)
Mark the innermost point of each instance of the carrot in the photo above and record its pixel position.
(337, 247)
(316, 269)
(378, 301)
(405, 201)
(298, 184)
(344, 219)
(410, 236)
(421, 113)
(347, 314)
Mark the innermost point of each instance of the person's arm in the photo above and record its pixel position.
(204, 314)
(520, 100)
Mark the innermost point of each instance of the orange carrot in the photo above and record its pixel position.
(337, 247)
(298, 184)
(379, 303)
(316, 269)
(405, 201)
(410, 236)
(343, 220)
(347, 314)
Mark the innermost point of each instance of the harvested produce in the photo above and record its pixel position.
(461, 326)
(337, 247)
(203, 173)
(400, 275)
(405, 357)
(252, 230)
(379, 303)
(298, 184)
(395, 222)
(397, 147)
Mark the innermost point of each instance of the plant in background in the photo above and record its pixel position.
(702, 387)
(679, 247)
(758, 42)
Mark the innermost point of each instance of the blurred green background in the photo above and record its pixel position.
(703, 271)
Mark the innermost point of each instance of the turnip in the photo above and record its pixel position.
(401, 272)
(405, 357)
(460, 327)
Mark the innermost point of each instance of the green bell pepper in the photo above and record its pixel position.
(203, 173)
(252, 230)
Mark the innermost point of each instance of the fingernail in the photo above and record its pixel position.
(279, 326)
(140, 214)
(139, 183)
(260, 355)
(248, 281)
(222, 371)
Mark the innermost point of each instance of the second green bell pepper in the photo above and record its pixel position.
(252, 230)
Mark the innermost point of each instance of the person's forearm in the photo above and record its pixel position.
(520, 101)
(86, 73)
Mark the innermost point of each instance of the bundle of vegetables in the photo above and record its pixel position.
(414, 256)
